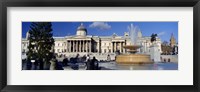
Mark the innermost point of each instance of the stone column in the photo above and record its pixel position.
(120, 47)
(90, 48)
(69, 46)
(125, 45)
(115, 46)
(86, 46)
(66, 46)
(112, 47)
(80, 45)
(123, 48)
(83, 45)
(76, 46)
(98, 47)
(73, 46)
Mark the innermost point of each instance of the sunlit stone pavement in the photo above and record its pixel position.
(114, 66)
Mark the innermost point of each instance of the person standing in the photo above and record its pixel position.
(108, 58)
(53, 63)
(88, 65)
(87, 58)
(93, 64)
(96, 63)
(65, 61)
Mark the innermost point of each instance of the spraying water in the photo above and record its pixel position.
(133, 30)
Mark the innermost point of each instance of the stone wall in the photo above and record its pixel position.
(169, 58)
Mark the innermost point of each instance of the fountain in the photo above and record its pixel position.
(132, 57)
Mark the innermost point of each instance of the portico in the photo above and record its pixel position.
(117, 45)
(79, 45)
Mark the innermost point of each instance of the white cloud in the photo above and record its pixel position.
(161, 33)
(100, 25)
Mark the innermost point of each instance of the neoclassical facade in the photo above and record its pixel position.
(83, 44)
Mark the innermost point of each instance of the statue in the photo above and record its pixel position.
(153, 37)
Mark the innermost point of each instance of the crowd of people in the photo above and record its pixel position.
(90, 64)
(72, 62)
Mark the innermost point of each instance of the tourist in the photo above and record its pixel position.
(88, 65)
(84, 58)
(87, 58)
(96, 63)
(108, 58)
(77, 58)
(53, 63)
(93, 64)
(65, 61)
(88, 62)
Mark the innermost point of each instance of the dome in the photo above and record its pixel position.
(81, 30)
(81, 27)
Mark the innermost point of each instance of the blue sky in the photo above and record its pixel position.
(163, 29)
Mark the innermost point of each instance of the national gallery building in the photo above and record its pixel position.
(84, 44)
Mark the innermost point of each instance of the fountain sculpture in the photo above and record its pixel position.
(132, 57)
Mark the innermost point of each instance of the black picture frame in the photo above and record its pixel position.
(100, 3)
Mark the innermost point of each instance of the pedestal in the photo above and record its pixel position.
(155, 53)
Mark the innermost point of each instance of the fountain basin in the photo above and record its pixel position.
(132, 49)
(133, 59)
